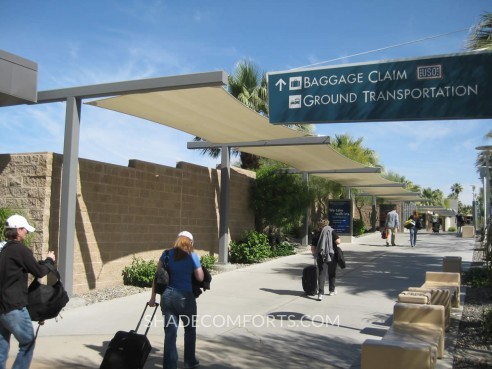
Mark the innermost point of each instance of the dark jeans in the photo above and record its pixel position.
(324, 268)
(413, 236)
(176, 306)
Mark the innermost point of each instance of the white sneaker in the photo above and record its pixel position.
(320, 297)
(332, 293)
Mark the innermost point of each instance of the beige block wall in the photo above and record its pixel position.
(123, 211)
(26, 187)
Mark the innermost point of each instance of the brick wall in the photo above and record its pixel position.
(122, 211)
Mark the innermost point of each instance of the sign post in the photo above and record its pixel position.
(455, 86)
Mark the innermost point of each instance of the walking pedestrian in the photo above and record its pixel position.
(323, 249)
(414, 227)
(392, 223)
(16, 262)
(178, 301)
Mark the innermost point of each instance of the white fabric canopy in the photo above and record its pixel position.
(217, 117)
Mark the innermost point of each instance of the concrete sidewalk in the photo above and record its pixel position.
(259, 317)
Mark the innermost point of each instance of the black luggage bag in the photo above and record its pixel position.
(128, 350)
(310, 279)
(435, 227)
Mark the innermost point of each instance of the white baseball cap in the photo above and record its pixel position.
(18, 221)
(186, 234)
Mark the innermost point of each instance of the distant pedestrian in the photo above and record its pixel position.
(16, 262)
(414, 228)
(392, 223)
(323, 249)
(460, 222)
(435, 223)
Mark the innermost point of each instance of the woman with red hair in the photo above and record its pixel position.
(178, 301)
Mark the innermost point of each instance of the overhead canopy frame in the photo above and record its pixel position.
(197, 104)
(212, 114)
(442, 211)
(73, 98)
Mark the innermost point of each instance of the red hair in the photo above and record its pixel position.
(183, 247)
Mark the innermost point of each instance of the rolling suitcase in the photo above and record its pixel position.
(310, 279)
(435, 227)
(128, 350)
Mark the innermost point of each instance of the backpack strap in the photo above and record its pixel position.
(165, 264)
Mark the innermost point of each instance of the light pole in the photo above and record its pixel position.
(474, 211)
(485, 175)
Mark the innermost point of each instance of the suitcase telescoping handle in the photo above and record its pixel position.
(151, 319)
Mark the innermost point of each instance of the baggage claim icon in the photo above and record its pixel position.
(295, 83)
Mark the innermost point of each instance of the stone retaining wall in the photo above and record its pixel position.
(122, 211)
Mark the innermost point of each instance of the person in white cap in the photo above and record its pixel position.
(16, 261)
(178, 301)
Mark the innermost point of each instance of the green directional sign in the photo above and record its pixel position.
(455, 86)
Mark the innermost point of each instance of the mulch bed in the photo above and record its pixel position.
(473, 347)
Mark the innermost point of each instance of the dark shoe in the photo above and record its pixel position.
(387, 244)
(193, 366)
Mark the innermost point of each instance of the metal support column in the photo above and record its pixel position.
(305, 236)
(69, 192)
(373, 214)
(487, 204)
(486, 196)
(225, 184)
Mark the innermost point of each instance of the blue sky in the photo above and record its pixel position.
(89, 42)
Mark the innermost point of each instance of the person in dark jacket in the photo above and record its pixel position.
(414, 228)
(323, 249)
(16, 262)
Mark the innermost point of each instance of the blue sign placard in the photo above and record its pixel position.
(340, 216)
(441, 87)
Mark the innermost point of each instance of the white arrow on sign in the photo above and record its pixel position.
(281, 83)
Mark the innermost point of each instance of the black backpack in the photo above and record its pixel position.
(45, 301)
(162, 275)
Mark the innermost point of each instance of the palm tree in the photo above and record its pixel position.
(456, 189)
(482, 156)
(481, 35)
(249, 85)
(481, 38)
(354, 150)
(436, 197)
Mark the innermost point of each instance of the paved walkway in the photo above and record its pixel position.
(258, 316)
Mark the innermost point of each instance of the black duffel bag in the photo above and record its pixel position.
(45, 301)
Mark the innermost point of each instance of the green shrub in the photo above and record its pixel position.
(252, 248)
(358, 227)
(283, 249)
(476, 277)
(4, 214)
(140, 273)
(208, 261)
(452, 229)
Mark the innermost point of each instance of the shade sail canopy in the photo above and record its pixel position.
(217, 117)
(438, 210)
